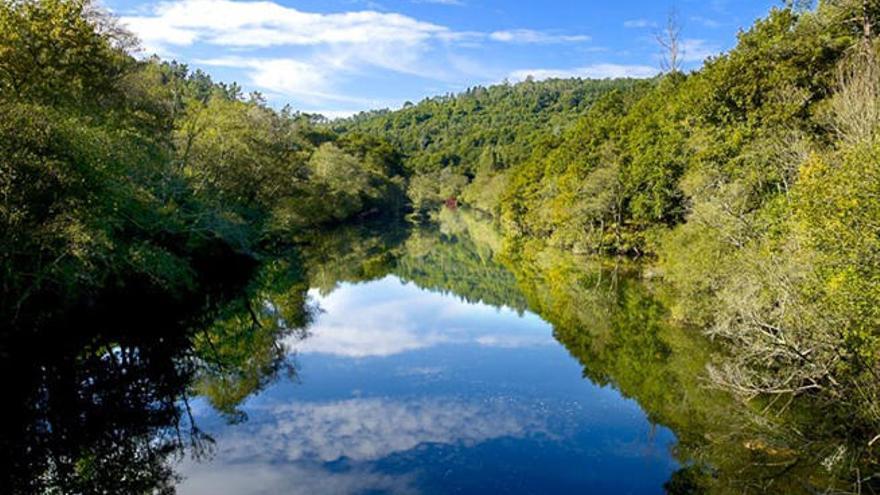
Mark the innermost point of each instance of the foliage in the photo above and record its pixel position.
(243, 350)
(113, 168)
(475, 137)
(752, 185)
(460, 258)
(751, 182)
(136, 197)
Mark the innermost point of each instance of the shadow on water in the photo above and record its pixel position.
(98, 397)
(93, 392)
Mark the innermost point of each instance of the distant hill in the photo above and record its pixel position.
(498, 125)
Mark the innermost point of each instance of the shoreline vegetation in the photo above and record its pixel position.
(748, 191)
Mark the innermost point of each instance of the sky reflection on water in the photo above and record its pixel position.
(402, 390)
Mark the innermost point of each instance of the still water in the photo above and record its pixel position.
(403, 360)
(407, 390)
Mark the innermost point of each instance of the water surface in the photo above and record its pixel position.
(387, 360)
(405, 390)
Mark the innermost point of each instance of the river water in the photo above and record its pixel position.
(407, 390)
(389, 359)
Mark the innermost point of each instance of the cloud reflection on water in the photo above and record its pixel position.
(251, 478)
(373, 428)
(289, 448)
(404, 389)
(403, 318)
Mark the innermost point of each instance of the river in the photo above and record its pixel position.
(398, 360)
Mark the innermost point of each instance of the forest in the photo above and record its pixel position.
(750, 188)
(116, 169)
(747, 192)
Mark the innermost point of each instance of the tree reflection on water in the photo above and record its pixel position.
(98, 395)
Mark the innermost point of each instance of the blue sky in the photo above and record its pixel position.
(338, 57)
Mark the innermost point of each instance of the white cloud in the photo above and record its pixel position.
(309, 81)
(319, 60)
(286, 76)
(312, 57)
(596, 71)
(639, 23)
(696, 50)
(261, 24)
(706, 22)
(528, 36)
(323, 51)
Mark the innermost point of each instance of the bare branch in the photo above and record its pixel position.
(669, 39)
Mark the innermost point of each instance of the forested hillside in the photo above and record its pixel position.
(123, 172)
(750, 186)
(749, 189)
(463, 145)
